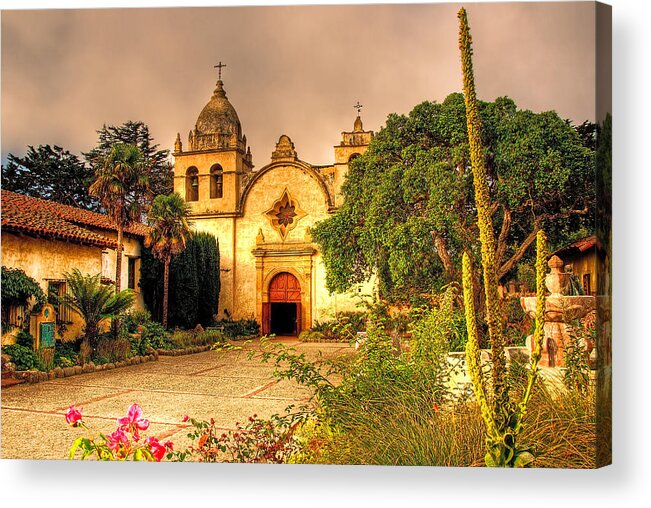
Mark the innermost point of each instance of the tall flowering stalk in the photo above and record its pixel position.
(503, 419)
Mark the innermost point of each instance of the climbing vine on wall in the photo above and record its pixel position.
(20, 290)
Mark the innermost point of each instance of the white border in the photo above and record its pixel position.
(627, 483)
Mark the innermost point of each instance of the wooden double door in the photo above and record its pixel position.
(281, 315)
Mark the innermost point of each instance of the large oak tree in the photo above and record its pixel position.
(409, 211)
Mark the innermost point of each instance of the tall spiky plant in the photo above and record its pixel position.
(121, 183)
(503, 419)
(170, 230)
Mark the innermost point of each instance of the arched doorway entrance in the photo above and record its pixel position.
(282, 314)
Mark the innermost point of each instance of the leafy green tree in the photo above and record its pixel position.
(50, 172)
(95, 302)
(170, 230)
(121, 184)
(409, 211)
(159, 167)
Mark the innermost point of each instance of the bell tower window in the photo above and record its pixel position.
(192, 184)
(216, 182)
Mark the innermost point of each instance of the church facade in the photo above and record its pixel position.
(270, 268)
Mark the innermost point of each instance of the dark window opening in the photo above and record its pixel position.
(586, 284)
(131, 284)
(192, 185)
(216, 182)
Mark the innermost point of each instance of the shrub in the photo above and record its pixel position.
(135, 318)
(343, 328)
(25, 339)
(194, 282)
(257, 441)
(182, 339)
(23, 357)
(243, 328)
(155, 336)
(18, 288)
(65, 354)
(111, 350)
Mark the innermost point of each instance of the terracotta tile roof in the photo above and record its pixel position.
(581, 245)
(48, 218)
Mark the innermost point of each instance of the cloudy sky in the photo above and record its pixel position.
(290, 70)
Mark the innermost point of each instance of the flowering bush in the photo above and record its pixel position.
(122, 444)
(262, 441)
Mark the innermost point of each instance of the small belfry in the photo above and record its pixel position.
(353, 144)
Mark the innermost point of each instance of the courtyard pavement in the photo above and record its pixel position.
(224, 385)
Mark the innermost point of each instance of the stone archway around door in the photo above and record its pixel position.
(281, 315)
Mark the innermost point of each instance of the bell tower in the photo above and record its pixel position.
(208, 173)
(353, 144)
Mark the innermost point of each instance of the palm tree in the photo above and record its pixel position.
(121, 183)
(94, 301)
(170, 229)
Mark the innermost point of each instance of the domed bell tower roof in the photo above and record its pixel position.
(218, 126)
(219, 115)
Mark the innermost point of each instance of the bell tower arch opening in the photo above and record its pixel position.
(282, 314)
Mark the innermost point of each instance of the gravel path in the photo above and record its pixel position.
(224, 385)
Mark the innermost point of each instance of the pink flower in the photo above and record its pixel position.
(117, 439)
(157, 448)
(73, 416)
(133, 421)
(185, 418)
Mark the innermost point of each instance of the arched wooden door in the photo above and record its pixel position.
(282, 314)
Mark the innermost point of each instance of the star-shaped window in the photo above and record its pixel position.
(284, 214)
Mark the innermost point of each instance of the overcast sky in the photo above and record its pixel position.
(290, 70)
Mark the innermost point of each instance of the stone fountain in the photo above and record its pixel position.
(560, 309)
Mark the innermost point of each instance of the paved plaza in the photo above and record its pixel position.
(224, 385)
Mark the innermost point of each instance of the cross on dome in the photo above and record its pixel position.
(219, 66)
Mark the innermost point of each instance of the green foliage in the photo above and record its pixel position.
(160, 172)
(438, 329)
(256, 441)
(134, 319)
(239, 329)
(23, 357)
(50, 172)
(189, 301)
(414, 184)
(168, 235)
(154, 335)
(94, 301)
(208, 269)
(66, 354)
(18, 289)
(120, 183)
(25, 339)
(110, 349)
(184, 285)
(576, 372)
(343, 328)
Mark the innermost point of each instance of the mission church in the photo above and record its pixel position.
(270, 268)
